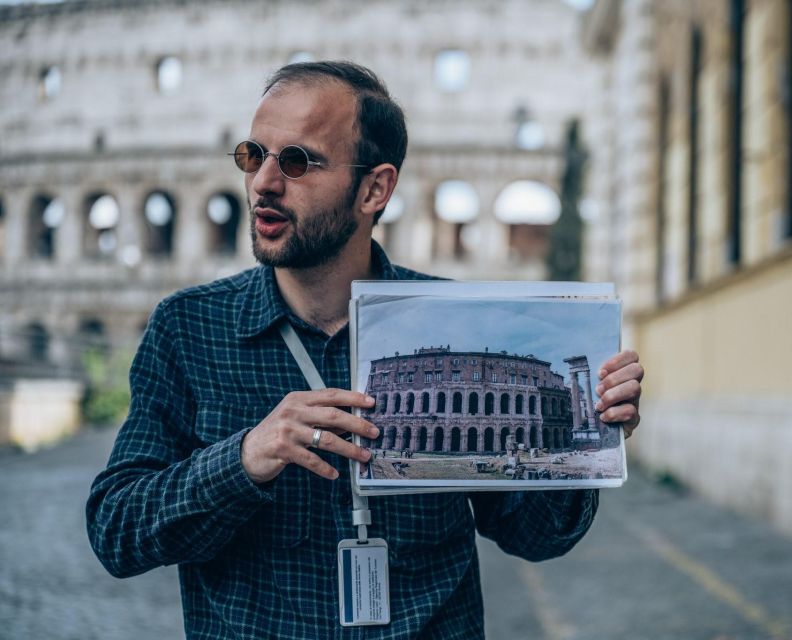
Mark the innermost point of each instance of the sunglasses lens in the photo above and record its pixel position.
(248, 156)
(293, 161)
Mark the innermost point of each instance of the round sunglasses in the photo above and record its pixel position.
(293, 161)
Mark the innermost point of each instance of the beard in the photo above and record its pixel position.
(314, 240)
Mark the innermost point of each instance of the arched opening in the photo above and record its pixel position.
(102, 216)
(455, 446)
(456, 206)
(46, 215)
(553, 407)
(504, 403)
(397, 403)
(503, 435)
(557, 438)
(159, 212)
(441, 402)
(530, 209)
(406, 438)
(532, 405)
(472, 439)
(457, 408)
(383, 403)
(224, 214)
(410, 403)
(544, 406)
(92, 336)
(473, 404)
(533, 438)
(567, 439)
(425, 402)
(519, 436)
(38, 342)
(546, 441)
(489, 404)
(489, 439)
(438, 439)
(422, 439)
(390, 442)
(518, 407)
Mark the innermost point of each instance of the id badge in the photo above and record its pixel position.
(364, 591)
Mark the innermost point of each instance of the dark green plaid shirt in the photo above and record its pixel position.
(260, 561)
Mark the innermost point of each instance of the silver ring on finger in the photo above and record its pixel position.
(317, 435)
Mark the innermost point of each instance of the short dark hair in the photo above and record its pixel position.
(380, 120)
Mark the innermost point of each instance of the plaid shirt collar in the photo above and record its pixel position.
(263, 304)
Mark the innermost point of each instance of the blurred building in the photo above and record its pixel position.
(116, 118)
(693, 168)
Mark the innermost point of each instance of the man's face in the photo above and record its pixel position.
(304, 222)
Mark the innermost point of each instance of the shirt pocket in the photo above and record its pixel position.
(284, 522)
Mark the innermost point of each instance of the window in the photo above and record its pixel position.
(100, 234)
(456, 361)
(49, 83)
(439, 376)
(223, 210)
(428, 376)
(401, 378)
(476, 376)
(439, 362)
(494, 377)
(474, 361)
(169, 75)
(524, 380)
(455, 376)
(535, 381)
(452, 70)
(384, 378)
(410, 377)
(512, 378)
(159, 212)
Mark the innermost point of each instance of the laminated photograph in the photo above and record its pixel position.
(485, 385)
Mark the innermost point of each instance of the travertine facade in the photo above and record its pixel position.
(141, 100)
(475, 401)
(694, 166)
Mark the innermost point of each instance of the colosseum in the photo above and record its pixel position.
(448, 401)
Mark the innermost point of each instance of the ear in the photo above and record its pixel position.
(376, 188)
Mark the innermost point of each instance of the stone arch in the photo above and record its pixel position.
(383, 403)
(519, 404)
(441, 402)
(438, 439)
(557, 438)
(92, 335)
(489, 404)
(46, 214)
(533, 436)
(410, 403)
(553, 406)
(457, 403)
(422, 437)
(519, 435)
(390, 441)
(505, 403)
(102, 215)
(224, 213)
(406, 437)
(567, 439)
(425, 402)
(546, 442)
(472, 439)
(456, 206)
(544, 406)
(504, 433)
(489, 439)
(159, 214)
(528, 208)
(455, 439)
(473, 403)
(532, 405)
(397, 403)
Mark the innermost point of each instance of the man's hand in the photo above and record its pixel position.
(283, 437)
(619, 390)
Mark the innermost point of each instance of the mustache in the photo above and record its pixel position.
(267, 202)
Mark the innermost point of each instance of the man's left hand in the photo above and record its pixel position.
(619, 390)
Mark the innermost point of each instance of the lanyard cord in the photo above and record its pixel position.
(361, 515)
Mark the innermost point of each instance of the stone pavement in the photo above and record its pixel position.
(657, 565)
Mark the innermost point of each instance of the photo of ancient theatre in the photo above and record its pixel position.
(488, 414)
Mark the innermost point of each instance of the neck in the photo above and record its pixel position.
(320, 295)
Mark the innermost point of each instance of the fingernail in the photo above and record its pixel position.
(598, 406)
(374, 432)
(367, 453)
(602, 373)
(599, 389)
(335, 475)
(369, 399)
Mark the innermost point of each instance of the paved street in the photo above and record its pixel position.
(657, 565)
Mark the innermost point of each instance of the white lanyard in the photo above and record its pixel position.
(361, 515)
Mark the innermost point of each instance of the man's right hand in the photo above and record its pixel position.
(283, 437)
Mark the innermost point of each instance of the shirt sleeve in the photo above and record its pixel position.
(160, 500)
(535, 525)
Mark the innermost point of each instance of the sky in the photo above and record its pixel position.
(550, 330)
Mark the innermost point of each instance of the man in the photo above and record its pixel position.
(217, 468)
